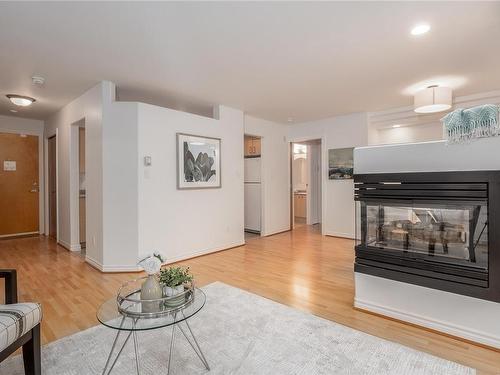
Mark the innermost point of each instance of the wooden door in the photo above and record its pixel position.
(19, 185)
(52, 182)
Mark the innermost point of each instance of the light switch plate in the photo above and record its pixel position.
(9, 165)
(147, 161)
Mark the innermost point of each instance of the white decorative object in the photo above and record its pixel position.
(151, 264)
(173, 291)
(433, 99)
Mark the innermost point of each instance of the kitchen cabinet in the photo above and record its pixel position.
(299, 204)
(252, 146)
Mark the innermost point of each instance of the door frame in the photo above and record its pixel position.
(47, 197)
(312, 175)
(323, 175)
(41, 180)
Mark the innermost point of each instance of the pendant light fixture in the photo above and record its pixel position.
(433, 99)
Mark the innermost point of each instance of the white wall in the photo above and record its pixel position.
(409, 134)
(19, 125)
(275, 173)
(471, 318)
(89, 107)
(186, 223)
(132, 209)
(338, 209)
(120, 187)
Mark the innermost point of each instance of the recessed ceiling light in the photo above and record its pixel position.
(20, 100)
(396, 126)
(420, 29)
(289, 119)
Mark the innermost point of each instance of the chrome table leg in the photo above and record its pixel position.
(171, 346)
(113, 347)
(136, 348)
(204, 360)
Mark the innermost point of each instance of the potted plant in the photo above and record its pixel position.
(173, 280)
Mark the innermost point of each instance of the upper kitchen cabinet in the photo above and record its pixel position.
(252, 146)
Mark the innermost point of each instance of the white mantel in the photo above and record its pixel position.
(470, 318)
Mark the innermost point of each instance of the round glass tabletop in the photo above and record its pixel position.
(144, 315)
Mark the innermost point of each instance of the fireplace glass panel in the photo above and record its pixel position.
(450, 233)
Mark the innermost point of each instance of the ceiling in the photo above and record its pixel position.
(300, 60)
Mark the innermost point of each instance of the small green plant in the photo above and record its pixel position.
(175, 276)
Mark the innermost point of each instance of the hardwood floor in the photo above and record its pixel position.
(300, 268)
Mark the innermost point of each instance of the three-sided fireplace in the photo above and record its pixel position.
(438, 229)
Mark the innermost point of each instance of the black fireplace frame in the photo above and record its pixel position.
(456, 186)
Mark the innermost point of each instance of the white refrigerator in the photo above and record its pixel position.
(252, 195)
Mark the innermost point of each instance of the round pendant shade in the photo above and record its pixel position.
(433, 99)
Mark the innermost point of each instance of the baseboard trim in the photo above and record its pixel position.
(16, 235)
(277, 231)
(433, 324)
(94, 263)
(76, 247)
(69, 247)
(127, 268)
(64, 244)
(339, 234)
(206, 252)
(111, 268)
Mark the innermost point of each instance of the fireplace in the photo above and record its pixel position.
(437, 229)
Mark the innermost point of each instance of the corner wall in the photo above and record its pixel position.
(89, 107)
(275, 163)
(186, 223)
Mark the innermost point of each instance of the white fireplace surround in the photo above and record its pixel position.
(467, 317)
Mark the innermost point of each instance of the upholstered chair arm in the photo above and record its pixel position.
(10, 277)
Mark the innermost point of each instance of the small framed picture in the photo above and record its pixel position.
(198, 162)
(340, 163)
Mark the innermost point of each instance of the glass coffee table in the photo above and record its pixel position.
(134, 315)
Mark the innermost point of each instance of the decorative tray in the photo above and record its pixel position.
(130, 303)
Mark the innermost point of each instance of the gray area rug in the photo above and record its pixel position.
(242, 333)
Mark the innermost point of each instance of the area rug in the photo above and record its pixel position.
(242, 333)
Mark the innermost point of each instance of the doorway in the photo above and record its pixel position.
(305, 165)
(52, 185)
(253, 187)
(19, 185)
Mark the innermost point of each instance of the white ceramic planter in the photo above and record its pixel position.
(170, 292)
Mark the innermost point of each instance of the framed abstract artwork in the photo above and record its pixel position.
(198, 162)
(340, 163)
